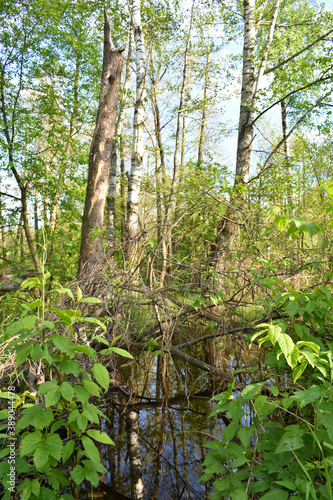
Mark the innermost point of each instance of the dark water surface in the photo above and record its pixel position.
(172, 427)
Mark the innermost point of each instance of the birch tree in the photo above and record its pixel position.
(252, 81)
(133, 223)
(111, 200)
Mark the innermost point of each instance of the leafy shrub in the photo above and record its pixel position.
(58, 429)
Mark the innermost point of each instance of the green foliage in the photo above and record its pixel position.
(279, 442)
(68, 402)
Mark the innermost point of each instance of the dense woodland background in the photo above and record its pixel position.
(198, 209)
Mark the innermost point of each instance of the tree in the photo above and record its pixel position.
(100, 155)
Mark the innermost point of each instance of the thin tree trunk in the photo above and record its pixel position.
(159, 169)
(122, 190)
(133, 199)
(204, 112)
(286, 154)
(72, 122)
(9, 134)
(36, 216)
(111, 199)
(178, 127)
(100, 156)
(25, 222)
(3, 233)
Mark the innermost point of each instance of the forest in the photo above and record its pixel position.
(166, 258)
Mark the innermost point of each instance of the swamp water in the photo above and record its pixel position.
(159, 440)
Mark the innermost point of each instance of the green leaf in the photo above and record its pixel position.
(94, 321)
(81, 393)
(63, 344)
(300, 222)
(252, 390)
(43, 419)
(274, 331)
(299, 370)
(101, 339)
(70, 366)
(92, 413)
(230, 431)
(274, 390)
(45, 387)
(101, 375)
(78, 293)
(54, 445)
(325, 244)
(298, 330)
(65, 290)
(91, 470)
(281, 222)
(91, 387)
(99, 436)
(311, 357)
(289, 442)
(53, 396)
(68, 450)
(82, 422)
(312, 229)
(310, 395)
(294, 356)
(90, 449)
(312, 345)
(87, 350)
(117, 350)
(286, 344)
(239, 495)
(259, 404)
(66, 319)
(245, 434)
(90, 300)
(41, 457)
(67, 391)
(30, 442)
(78, 474)
(275, 494)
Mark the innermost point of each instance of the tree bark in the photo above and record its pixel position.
(111, 199)
(133, 224)
(204, 112)
(100, 156)
(3, 233)
(286, 154)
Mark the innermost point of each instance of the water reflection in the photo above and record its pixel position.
(160, 427)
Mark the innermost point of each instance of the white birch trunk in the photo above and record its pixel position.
(250, 87)
(111, 199)
(133, 200)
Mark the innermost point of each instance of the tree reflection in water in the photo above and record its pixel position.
(160, 423)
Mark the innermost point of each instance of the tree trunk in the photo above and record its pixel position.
(286, 154)
(36, 216)
(100, 156)
(133, 199)
(204, 112)
(122, 190)
(226, 227)
(3, 233)
(111, 199)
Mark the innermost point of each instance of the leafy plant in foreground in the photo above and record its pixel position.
(279, 442)
(58, 429)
